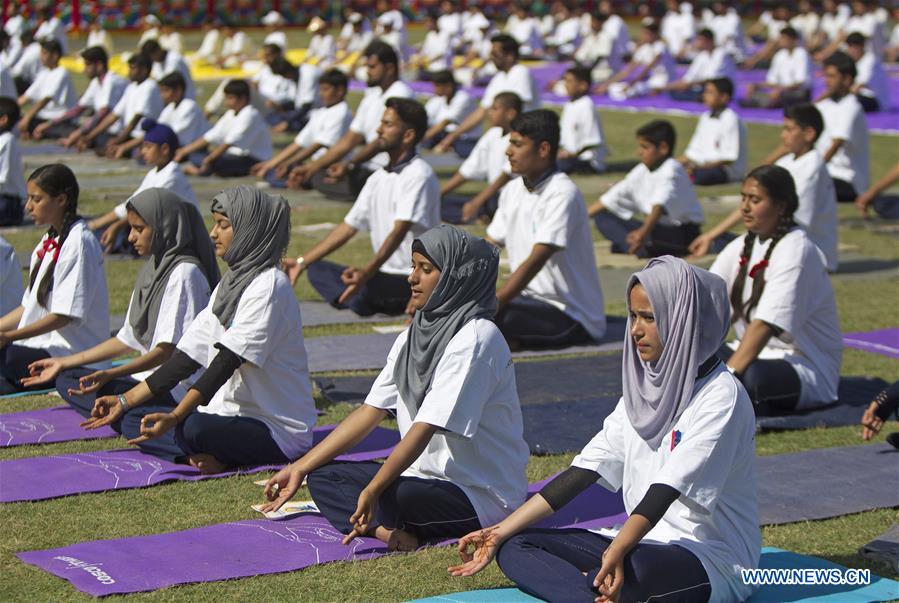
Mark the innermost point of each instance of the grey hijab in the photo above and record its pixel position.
(179, 235)
(261, 225)
(692, 314)
(466, 290)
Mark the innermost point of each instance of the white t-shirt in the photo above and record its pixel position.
(806, 24)
(728, 31)
(817, 211)
(716, 516)
(186, 294)
(799, 300)
(12, 172)
(246, 132)
(170, 177)
(369, 112)
(663, 71)
(410, 193)
(677, 30)
(273, 87)
(186, 119)
(473, 400)
(581, 132)
(597, 46)
(527, 32)
(174, 62)
(832, 25)
(278, 38)
(488, 157)
(873, 77)
(325, 127)
(791, 67)
(708, 65)
(554, 213)
(450, 24)
(104, 94)
(272, 386)
(56, 85)
(79, 292)
(845, 120)
(437, 49)
(237, 45)
(139, 99)
(642, 189)
(53, 29)
(720, 138)
(11, 288)
(28, 64)
(519, 80)
(455, 110)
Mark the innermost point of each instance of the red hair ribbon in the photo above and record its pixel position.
(50, 244)
(760, 266)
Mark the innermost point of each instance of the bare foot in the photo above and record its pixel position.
(402, 541)
(206, 463)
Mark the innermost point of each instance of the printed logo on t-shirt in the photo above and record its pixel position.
(675, 438)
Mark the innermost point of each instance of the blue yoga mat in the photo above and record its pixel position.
(880, 589)
(37, 392)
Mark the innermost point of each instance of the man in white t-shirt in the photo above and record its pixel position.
(166, 62)
(552, 298)
(345, 179)
(396, 204)
(709, 63)
(872, 85)
(446, 110)
(844, 142)
(487, 161)
(103, 93)
(511, 76)
(239, 139)
(658, 188)
(582, 146)
(789, 79)
(51, 95)
(718, 151)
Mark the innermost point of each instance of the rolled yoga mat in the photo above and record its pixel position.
(47, 425)
(880, 589)
(145, 563)
(80, 473)
(882, 341)
(884, 548)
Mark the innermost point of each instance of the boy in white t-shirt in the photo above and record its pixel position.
(239, 139)
(103, 93)
(650, 69)
(397, 204)
(446, 110)
(872, 85)
(582, 146)
(166, 62)
(435, 53)
(487, 161)
(718, 151)
(324, 128)
(659, 188)
(51, 94)
(552, 298)
(789, 78)
(710, 62)
(12, 176)
(844, 142)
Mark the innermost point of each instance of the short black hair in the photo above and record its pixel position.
(657, 132)
(581, 73)
(723, 85)
(842, 62)
(150, 47)
(411, 112)
(651, 26)
(384, 52)
(95, 54)
(507, 43)
(273, 47)
(334, 77)
(790, 32)
(238, 88)
(444, 77)
(52, 45)
(173, 80)
(806, 115)
(706, 33)
(10, 108)
(509, 100)
(139, 59)
(541, 125)
(855, 39)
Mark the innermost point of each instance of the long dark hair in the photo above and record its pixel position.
(55, 179)
(779, 184)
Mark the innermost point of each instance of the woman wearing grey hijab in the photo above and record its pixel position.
(251, 401)
(460, 464)
(680, 447)
(172, 287)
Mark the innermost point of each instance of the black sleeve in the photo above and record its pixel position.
(567, 485)
(177, 368)
(220, 370)
(656, 501)
(887, 402)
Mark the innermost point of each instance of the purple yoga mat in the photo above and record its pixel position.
(80, 473)
(883, 341)
(145, 563)
(60, 424)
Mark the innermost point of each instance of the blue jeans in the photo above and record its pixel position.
(663, 240)
(533, 324)
(550, 564)
(429, 508)
(384, 294)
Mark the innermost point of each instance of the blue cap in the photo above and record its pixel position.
(159, 133)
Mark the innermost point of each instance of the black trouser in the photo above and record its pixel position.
(530, 323)
(14, 361)
(345, 189)
(846, 192)
(428, 508)
(869, 104)
(384, 293)
(709, 176)
(663, 240)
(12, 210)
(773, 385)
(233, 166)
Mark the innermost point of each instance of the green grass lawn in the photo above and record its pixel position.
(865, 302)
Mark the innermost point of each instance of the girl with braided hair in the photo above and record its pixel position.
(789, 348)
(65, 308)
